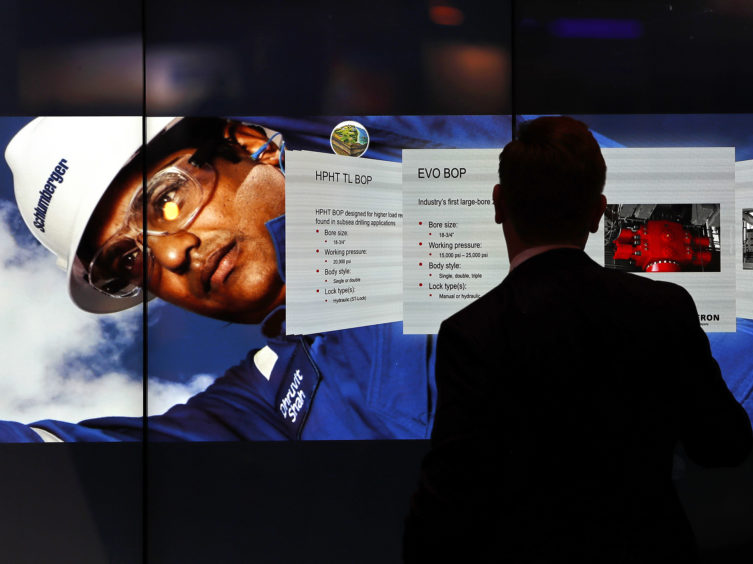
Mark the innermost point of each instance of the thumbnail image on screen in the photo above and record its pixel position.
(662, 237)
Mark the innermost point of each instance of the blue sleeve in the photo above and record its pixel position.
(12, 432)
(233, 408)
(101, 430)
(237, 406)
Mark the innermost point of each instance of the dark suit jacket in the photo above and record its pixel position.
(562, 395)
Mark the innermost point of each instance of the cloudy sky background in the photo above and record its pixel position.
(59, 362)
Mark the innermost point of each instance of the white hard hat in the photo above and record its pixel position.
(62, 166)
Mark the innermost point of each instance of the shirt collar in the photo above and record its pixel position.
(276, 229)
(270, 325)
(531, 252)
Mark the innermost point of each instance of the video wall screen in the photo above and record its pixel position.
(272, 66)
(298, 268)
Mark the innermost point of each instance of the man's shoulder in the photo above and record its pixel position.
(482, 313)
(535, 291)
(637, 285)
(563, 266)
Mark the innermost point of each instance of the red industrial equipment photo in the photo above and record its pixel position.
(662, 246)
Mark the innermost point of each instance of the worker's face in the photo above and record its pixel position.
(223, 264)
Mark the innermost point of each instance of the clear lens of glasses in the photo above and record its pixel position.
(175, 195)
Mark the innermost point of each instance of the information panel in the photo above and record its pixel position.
(453, 251)
(671, 216)
(343, 232)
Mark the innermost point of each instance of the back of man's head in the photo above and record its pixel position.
(552, 176)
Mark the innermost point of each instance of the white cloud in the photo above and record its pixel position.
(57, 362)
(163, 395)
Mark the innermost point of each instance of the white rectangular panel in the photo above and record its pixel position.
(453, 251)
(343, 230)
(649, 176)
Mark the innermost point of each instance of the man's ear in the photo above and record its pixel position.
(499, 208)
(251, 139)
(598, 212)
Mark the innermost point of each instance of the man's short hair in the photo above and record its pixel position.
(551, 176)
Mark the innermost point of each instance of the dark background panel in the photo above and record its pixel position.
(322, 58)
(71, 58)
(260, 502)
(70, 503)
(280, 502)
(308, 58)
(236, 58)
(619, 56)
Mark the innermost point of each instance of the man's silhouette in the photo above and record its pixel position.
(564, 391)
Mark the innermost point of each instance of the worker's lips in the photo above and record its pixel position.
(219, 265)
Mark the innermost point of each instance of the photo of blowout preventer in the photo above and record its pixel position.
(662, 246)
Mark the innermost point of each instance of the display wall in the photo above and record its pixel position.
(437, 86)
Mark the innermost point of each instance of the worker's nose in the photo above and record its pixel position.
(173, 250)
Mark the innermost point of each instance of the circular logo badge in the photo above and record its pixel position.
(349, 138)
